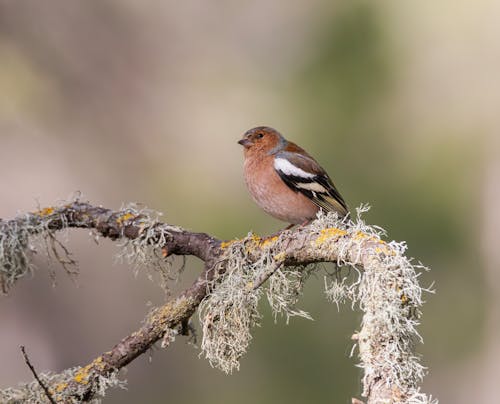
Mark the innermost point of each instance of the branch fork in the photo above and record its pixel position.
(228, 289)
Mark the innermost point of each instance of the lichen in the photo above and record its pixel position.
(284, 291)
(375, 275)
(21, 237)
(63, 388)
(388, 293)
(45, 228)
(125, 217)
(45, 211)
(15, 251)
(145, 251)
(328, 234)
(230, 310)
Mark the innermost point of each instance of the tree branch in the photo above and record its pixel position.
(388, 282)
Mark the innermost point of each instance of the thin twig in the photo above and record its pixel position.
(42, 385)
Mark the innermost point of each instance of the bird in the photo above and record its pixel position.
(285, 181)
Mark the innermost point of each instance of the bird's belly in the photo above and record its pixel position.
(275, 198)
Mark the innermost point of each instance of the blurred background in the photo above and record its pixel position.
(143, 102)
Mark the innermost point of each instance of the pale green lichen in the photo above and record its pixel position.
(230, 310)
(374, 275)
(388, 292)
(68, 386)
(145, 251)
(169, 337)
(15, 250)
(284, 291)
(21, 237)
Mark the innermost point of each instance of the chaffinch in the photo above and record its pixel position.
(284, 180)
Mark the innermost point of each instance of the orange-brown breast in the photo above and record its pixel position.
(272, 194)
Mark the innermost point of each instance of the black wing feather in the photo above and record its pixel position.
(329, 201)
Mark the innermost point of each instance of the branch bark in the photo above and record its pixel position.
(300, 247)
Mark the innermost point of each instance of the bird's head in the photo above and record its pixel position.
(262, 139)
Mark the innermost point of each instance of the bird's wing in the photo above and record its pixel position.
(303, 174)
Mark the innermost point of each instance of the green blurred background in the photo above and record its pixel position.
(132, 101)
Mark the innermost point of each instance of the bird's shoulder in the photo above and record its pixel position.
(295, 160)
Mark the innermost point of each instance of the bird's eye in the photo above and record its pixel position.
(259, 135)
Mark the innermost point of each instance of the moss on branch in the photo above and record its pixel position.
(236, 275)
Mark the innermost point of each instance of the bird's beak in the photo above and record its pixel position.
(246, 143)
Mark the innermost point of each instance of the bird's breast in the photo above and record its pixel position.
(270, 192)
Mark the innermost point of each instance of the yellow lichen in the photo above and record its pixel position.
(98, 363)
(82, 375)
(255, 238)
(280, 256)
(360, 235)
(327, 234)
(268, 241)
(45, 212)
(252, 242)
(226, 244)
(60, 387)
(125, 217)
